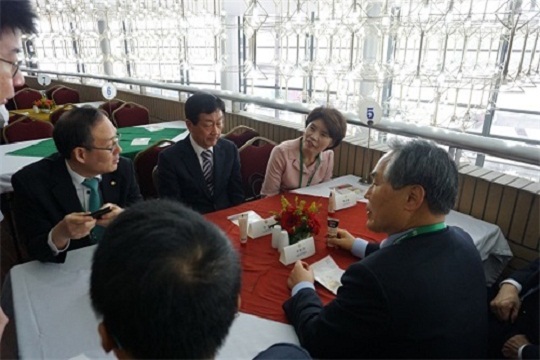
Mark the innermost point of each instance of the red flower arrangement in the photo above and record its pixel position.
(297, 219)
(44, 103)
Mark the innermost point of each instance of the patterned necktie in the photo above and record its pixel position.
(94, 203)
(207, 170)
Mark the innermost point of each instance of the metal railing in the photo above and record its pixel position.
(505, 149)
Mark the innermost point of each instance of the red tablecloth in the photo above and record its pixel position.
(264, 278)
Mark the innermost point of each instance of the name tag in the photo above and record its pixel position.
(261, 227)
(345, 200)
(301, 250)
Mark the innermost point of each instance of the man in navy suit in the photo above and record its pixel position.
(515, 321)
(52, 202)
(421, 294)
(203, 170)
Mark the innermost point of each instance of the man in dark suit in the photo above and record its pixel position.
(515, 322)
(421, 294)
(54, 196)
(203, 170)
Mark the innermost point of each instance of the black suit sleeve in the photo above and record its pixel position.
(530, 352)
(133, 192)
(524, 276)
(33, 221)
(358, 312)
(234, 188)
(168, 186)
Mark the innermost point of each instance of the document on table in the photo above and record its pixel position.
(328, 273)
(252, 217)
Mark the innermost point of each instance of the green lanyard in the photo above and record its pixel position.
(302, 166)
(420, 230)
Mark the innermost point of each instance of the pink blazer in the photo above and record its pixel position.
(283, 169)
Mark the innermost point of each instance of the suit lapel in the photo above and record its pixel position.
(219, 163)
(193, 166)
(110, 185)
(63, 189)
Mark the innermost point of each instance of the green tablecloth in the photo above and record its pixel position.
(46, 147)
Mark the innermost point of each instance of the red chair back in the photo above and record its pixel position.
(240, 135)
(27, 129)
(65, 95)
(144, 164)
(110, 106)
(56, 114)
(49, 91)
(130, 114)
(15, 117)
(24, 98)
(254, 156)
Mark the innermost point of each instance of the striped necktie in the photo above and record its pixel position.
(94, 203)
(207, 169)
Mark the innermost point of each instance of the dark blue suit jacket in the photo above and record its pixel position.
(422, 298)
(44, 194)
(180, 176)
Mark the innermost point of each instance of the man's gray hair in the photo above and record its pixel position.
(419, 162)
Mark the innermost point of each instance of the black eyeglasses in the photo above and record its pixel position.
(14, 66)
(115, 144)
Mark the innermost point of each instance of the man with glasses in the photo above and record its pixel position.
(55, 196)
(16, 17)
(203, 170)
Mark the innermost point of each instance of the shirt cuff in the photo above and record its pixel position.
(53, 247)
(520, 351)
(359, 248)
(512, 282)
(302, 285)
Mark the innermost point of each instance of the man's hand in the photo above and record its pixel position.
(344, 240)
(506, 304)
(511, 346)
(106, 219)
(72, 226)
(300, 272)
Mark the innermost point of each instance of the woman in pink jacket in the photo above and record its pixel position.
(309, 159)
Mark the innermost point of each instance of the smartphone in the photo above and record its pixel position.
(99, 213)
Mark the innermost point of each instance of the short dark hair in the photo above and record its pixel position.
(166, 282)
(17, 15)
(334, 121)
(202, 103)
(74, 129)
(421, 162)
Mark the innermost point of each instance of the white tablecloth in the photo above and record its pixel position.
(10, 164)
(54, 318)
(488, 238)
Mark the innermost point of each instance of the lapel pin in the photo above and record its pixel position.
(113, 183)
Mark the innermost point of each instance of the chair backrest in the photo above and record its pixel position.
(110, 106)
(131, 114)
(65, 95)
(24, 98)
(55, 115)
(27, 129)
(15, 117)
(254, 156)
(144, 164)
(49, 91)
(240, 135)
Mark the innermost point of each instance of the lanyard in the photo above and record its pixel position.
(420, 230)
(302, 167)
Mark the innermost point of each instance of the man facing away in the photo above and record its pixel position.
(203, 170)
(54, 196)
(166, 283)
(421, 294)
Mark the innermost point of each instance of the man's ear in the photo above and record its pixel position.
(79, 154)
(239, 303)
(415, 197)
(107, 342)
